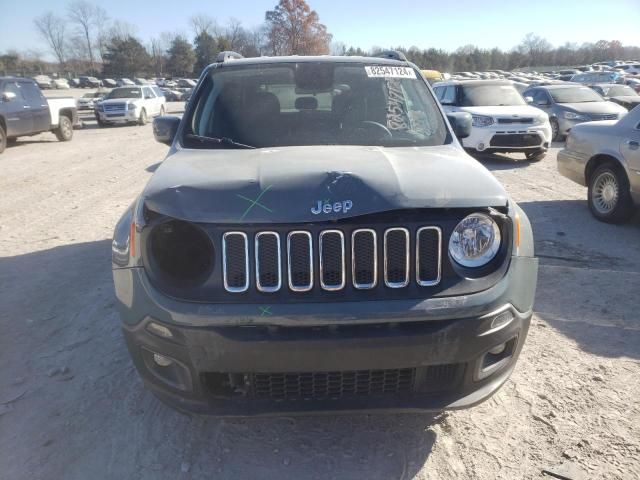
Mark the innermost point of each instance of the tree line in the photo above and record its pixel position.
(86, 41)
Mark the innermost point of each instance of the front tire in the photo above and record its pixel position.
(535, 155)
(64, 132)
(556, 136)
(3, 139)
(609, 194)
(142, 120)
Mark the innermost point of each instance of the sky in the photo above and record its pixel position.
(441, 24)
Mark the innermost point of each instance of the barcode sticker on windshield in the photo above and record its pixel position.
(384, 71)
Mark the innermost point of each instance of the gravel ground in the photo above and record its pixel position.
(72, 406)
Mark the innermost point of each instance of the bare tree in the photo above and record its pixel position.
(203, 23)
(52, 29)
(86, 17)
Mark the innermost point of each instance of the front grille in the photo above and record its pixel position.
(516, 140)
(235, 261)
(396, 257)
(515, 120)
(603, 116)
(114, 107)
(331, 385)
(404, 256)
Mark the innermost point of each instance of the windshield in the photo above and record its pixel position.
(490, 95)
(88, 95)
(316, 104)
(124, 93)
(619, 91)
(575, 95)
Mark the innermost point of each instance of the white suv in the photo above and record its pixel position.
(502, 120)
(130, 105)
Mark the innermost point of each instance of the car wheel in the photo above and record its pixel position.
(162, 110)
(142, 120)
(535, 155)
(555, 130)
(609, 194)
(3, 139)
(64, 132)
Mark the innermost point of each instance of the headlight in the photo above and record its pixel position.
(540, 120)
(475, 241)
(131, 106)
(575, 116)
(481, 121)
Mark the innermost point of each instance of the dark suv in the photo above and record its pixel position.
(317, 239)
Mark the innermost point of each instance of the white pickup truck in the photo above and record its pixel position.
(25, 111)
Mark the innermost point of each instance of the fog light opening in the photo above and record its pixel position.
(481, 147)
(159, 330)
(497, 350)
(161, 360)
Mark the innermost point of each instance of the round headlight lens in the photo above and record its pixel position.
(475, 241)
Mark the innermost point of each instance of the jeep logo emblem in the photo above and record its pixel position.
(328, 207)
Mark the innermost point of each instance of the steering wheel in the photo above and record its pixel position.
(385, 133)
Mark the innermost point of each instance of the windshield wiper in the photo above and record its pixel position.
(216, 141)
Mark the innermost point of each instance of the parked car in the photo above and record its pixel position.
(88, 100)
(89, 82)
(186, 83)
(631, 68)
(60, 84)
(141, 81)
(43, 81)
(596, 77)
(432, 76)
(621, 94)
(25, 111)
(170, 84)
(109, 82)
(502, 120)
(75, 82)
(172, 95)
(605, 156)
(130, 105)
(125, 82)
(376, 265)
(569, 105)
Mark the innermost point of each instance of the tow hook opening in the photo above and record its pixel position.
(496, 358)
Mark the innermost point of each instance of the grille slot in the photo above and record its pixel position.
(396, 257)
(268, 262)
(300, 261)
(331, 385)
(364, 258)
(332, 266)
(428, 247)
(235, 261)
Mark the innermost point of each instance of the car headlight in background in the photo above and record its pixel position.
(541, 120)
(131, 106)
(574, 116)
(475, 241)
(481, 121)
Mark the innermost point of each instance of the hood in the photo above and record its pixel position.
(510, 111)
(312, 184)
(627, 99)
(118, 100)
(593, 107)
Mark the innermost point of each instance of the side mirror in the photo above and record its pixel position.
(165, 129)
(528, 99)
(460, 123)
(8, 96)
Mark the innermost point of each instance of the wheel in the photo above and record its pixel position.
(142, 120)
(64, 132)
(162, 110)
(609, 194)
(555, 131)
(535, 155)
(3, 139)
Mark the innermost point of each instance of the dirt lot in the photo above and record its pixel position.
(72, 407)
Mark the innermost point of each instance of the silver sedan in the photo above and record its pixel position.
(605, 156)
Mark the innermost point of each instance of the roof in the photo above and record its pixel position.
(564, 85)
(311, 59)
(476, 82)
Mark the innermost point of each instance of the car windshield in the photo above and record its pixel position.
(315, 103)
(620, 91)
(490, 95)
(88, 95)
(575, 95)
(124, 93)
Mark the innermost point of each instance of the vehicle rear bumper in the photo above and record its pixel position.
(226, 364)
